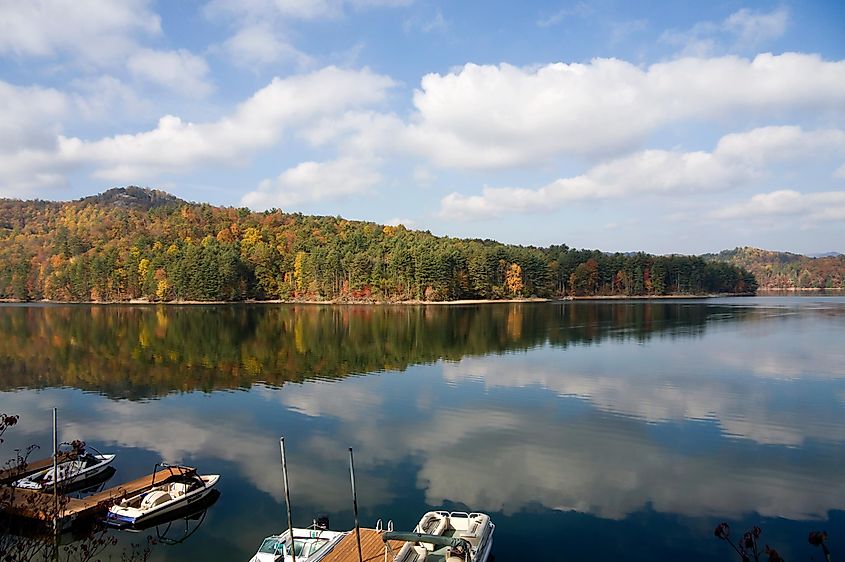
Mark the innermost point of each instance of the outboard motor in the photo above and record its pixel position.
(322, 522)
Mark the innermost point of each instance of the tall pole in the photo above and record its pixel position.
(55, 481)
(355, 504)
(287, 498)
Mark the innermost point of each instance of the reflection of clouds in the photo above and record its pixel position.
(179, 432)
(640, 386)
(614, 471)
(494, 456)
(489, 454)
(313, 399)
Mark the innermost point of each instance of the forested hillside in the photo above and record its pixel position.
(782, 270)
(131, 243)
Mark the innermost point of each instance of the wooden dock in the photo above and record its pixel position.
(372, 548)
(9, 475)
(33, 504)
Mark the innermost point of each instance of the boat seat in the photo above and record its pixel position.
(477, 528)
(155, 498)
(408, 554)
(178, 489)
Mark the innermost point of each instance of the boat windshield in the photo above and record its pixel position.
(302, 548)
(307, 547)
(272, 545)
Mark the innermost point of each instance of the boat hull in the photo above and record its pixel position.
(83, 475)
(119, 517)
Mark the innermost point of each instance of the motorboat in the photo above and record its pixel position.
(309, 544)
(181, 489)
(81, 467)
(443, 536)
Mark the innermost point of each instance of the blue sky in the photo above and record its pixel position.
(658, 126)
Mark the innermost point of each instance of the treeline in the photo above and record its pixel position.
(132, 243)
(783, 270)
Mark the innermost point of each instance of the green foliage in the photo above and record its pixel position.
(132, 243)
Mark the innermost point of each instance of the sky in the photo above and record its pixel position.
(667, 127)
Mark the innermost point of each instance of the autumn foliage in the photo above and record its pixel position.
(133, 243)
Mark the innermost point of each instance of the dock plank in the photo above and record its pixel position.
(372, 548)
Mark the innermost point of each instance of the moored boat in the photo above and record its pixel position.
(182, 489)
(85, 466)
(443, 536)
(308, 545)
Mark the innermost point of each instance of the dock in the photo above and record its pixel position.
(33, 504)
(372, 548)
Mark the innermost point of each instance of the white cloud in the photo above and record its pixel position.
(741, 31)
(821, 206)
(500, 116)
(738, 159)
(106, 98)
(314, 181)
(98, 31)
(29, 116)
(753, 28)
(257, 123)
(258, 44)
(26, 170)
(179, 71)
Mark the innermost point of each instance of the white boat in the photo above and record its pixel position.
(177, 492)
(84, 467)
(309, 545)
(443, 536)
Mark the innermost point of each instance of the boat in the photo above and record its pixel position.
(443, 536)
(82, 467)
(181, 489)
(310, 544)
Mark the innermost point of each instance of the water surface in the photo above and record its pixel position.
(588, 430)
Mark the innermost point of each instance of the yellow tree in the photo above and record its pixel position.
(513, 279)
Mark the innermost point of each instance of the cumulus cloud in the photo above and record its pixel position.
(97, 31)
(257, 123)
(29, 115)
(819, 206)
(179, 71)
(314, 181)
(500, 116)
(258, 44)
(738, 159)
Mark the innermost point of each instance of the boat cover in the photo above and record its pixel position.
(436, 540)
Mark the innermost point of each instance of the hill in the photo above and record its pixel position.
(783, 270)
(134, 198)
(130, 243)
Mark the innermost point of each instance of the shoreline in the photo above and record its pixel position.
(461, 302)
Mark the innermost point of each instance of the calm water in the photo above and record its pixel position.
(589, 431)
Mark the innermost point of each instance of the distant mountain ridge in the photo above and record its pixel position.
(785, 270)
(135, 243)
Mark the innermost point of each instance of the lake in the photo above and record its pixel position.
(588, 430)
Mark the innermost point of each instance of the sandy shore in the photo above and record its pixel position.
(391, 303)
